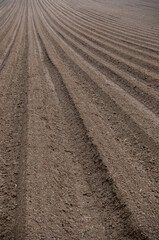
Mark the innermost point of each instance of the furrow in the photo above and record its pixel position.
(7, 17)
(106, 57)
(119, 36)
(104, 36)
(123, 30)
(13, 131)
(127, 27)
(126, 101)
(147, 99)
(66, 215)
(70, 81)
(87, 154)
(113, 18)
(11, 42)
(79, 122)
(85, 33)
(9, 28)
(6, 10)
(110, 17)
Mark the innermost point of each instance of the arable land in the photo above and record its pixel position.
(79, 120)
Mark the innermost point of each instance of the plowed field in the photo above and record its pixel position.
(79, 119)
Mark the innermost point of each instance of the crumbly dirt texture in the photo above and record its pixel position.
(79, 120)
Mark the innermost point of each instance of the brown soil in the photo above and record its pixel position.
(79, 119)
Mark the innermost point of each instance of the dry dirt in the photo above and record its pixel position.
(79, 119)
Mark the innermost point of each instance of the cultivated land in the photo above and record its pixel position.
(79, 119)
